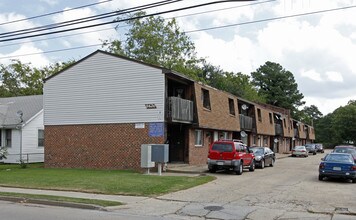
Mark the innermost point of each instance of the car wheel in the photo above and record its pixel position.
(314, 153)
(262, 164)
(353, 180)
(240, 169)
(321, 178)
(293, 155)
(272, 163)
(252, 166)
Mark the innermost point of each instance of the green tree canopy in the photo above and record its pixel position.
(19, 79)
(278, 86)
(344, 124)
(310, 114)
(156, 41)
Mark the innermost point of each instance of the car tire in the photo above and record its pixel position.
(272, 163)
(252, 166)
(353, 180)
(293, 155)
(240, 169)
(314, 153)
(262, 164)
(321, 178)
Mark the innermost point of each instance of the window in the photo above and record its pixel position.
(198, 138)
(265, 141)
(270, 118)
(254, 139)
(8, 135)
(231, 106)
(259, 115)
(225, 135)
(205, 98)
(40, 138)
(284, 121)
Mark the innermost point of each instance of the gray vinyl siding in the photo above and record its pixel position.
(104, 89)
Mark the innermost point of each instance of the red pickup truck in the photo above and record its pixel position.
(230, 155)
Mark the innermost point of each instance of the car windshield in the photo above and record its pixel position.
(345, 150)
(299, 147)
(222, 147)
(339, 158)
(257, 151)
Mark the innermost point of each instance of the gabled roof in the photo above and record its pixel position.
(29, 105)
(110, 54)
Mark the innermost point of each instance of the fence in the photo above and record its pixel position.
(26, 158)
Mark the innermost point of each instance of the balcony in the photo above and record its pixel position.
(246, 123)
(278, 129)
(180, 110)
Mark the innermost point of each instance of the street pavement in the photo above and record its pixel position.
(290, 190)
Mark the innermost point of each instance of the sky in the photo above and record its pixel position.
(313, 39)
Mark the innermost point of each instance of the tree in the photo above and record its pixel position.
(278, 86)
(156, 41)
(19, 79)
(343, 124)
(310, 114)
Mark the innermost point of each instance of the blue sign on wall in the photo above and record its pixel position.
(156, 129)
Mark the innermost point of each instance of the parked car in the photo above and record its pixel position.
(338, 165)
(346, 149)
(319, 148)
(299, 151)
(310, 148)
(263, 156)
(230, 155)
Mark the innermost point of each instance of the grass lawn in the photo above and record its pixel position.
(97, 181)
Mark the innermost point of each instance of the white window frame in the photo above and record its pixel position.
(38, 137)
(198, 141)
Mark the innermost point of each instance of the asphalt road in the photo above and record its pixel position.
(290, 190)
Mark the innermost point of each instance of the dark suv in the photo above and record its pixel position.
(311, 148)
(230, 155)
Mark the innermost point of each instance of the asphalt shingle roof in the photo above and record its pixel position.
(29, 105)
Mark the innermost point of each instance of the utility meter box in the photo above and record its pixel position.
(146, 152)
(160, 153)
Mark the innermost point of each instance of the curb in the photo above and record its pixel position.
(52, 203)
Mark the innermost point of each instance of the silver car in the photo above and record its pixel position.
(299, 151)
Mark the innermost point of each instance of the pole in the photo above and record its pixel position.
(159, 169)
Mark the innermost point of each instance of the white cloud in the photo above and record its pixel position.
(311, 74)
(37, 60)
(8, 17)
(86, 38)
(334, 76)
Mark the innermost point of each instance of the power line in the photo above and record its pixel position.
(272, 19)
(212, 28)
(222, 9)
(122, 20)
(56, 12)
(51, 51)
(85, 19)
(186, 15)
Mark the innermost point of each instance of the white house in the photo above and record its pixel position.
(21, 128)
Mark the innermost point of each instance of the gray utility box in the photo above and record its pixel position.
(146, 152)
(159, 153)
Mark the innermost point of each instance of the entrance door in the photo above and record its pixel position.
(176, 140)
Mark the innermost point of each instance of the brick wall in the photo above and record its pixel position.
(109, 146)
(198, 154)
